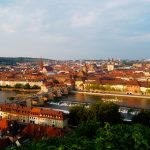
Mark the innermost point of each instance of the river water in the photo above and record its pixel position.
(80, 97)
(5, 94)
(123, 101)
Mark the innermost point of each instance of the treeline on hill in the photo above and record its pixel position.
(99, 127)
(14, 60)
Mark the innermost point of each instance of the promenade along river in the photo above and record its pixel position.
(81, 97)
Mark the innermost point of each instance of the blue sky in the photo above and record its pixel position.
(75, 29)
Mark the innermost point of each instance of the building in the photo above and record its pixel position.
(33, 115)
(3, 124)
(38, 131)
(110, 66)
(48, 70)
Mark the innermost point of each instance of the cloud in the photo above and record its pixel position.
(73, 26)
(147, 1)
(79, 20)
(55, 39)
(138, 38)
(7, 28)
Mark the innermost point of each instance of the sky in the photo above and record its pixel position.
(75, 29)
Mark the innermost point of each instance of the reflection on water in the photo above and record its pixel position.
(5, 94)
(125, 101)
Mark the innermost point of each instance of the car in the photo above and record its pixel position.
(129, 93)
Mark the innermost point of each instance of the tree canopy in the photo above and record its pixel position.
(98, 128)
(101, 111)
(91, 136)
(143, 118)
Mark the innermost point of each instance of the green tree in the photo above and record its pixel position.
(88, 129)
(106, 112)
(7, 86)
(27, 86)
(143, 118)
(113, 137)
(148, 91)
(101, 111)
(124, 137)
(35, 87)
(78, 114)
(18, 85)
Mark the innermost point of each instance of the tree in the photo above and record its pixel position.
(78, 114)
(8, 86)
(88, 129)
(18, 85)
(101, 111)
(124, 137)
(35, 87)
(148, 91)
(106, 112)
(143, 118)
(27, 86)
(115, 137)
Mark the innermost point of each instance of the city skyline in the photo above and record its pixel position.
(75, 29)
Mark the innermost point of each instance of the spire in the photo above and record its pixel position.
(41, 64)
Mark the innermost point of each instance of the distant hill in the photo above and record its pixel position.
(147, 60)
(14, 60)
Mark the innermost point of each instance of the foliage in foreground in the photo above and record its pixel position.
(100, 111)
(91, 136)
(143, 117)
(93, 133)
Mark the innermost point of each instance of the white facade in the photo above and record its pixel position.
(34, 119)
(110, 67)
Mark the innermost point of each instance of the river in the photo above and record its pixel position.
(123, 101)
(5, 94)
(81, 97)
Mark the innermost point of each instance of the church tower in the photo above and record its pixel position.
(41, 64)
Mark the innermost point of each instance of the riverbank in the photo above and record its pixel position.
(112, 94)
(20, 90)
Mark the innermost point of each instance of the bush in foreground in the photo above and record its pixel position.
(115, 137)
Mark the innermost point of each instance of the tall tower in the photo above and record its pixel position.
(41, 64)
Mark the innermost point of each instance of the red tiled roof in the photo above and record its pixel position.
(3, 124)
(48, 68)
(38, 131)
(118, 81)
(4, 143)
(33, 111)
